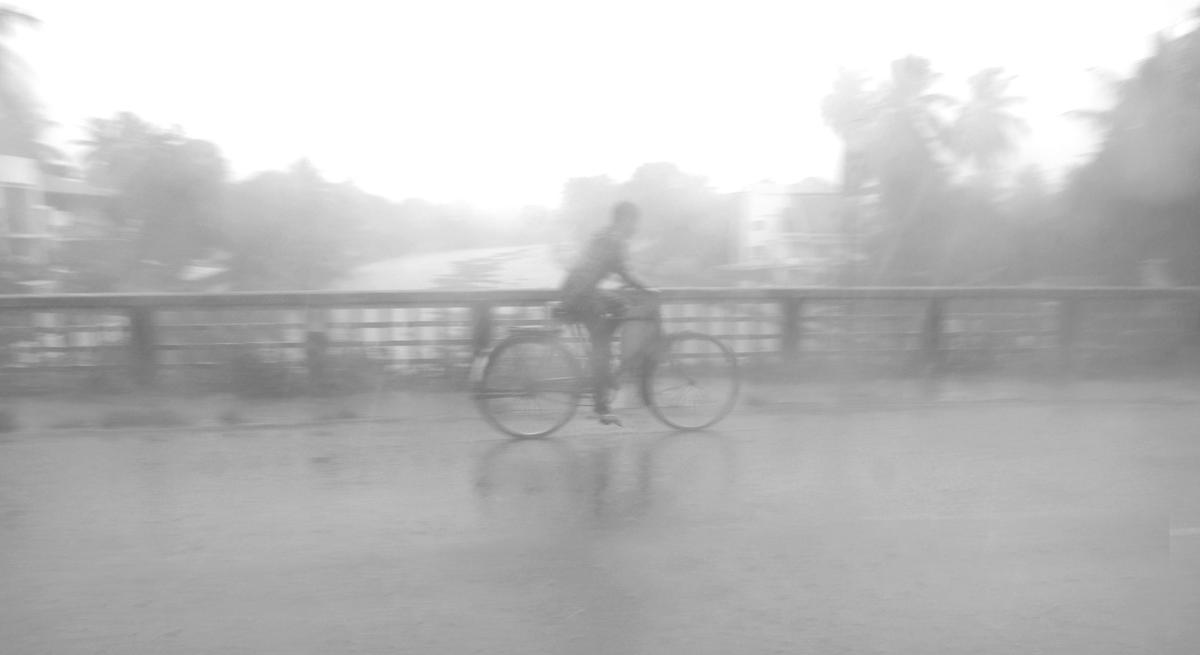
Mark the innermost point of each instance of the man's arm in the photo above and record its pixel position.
(630, 280)
(622, 270)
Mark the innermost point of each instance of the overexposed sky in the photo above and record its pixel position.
(498, 103)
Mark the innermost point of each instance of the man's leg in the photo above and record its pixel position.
(600, 331)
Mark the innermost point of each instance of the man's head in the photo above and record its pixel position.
(625, 217)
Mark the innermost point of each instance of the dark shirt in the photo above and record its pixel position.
(605, 255)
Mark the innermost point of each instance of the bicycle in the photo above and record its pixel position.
(530, 384)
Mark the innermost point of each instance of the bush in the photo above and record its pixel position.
(354, 370)
(262, 373)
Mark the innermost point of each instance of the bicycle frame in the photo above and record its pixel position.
(629, 363)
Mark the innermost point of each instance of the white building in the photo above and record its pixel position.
(25, 231)
(791, 235)
(40, 212)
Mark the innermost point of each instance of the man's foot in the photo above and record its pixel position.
(609, 419)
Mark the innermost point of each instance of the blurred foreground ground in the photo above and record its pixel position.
(437, 400)
(1062, 526)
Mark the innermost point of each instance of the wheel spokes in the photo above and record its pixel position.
(694, 383)
(529, 388)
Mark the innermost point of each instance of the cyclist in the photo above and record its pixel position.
(600, 310)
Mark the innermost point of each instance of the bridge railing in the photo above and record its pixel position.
(149, 339)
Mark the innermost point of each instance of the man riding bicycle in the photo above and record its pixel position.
(599, 310)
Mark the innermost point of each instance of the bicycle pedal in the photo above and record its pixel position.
(609, 419)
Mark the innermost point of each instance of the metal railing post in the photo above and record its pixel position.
(933, 354)
(482, 326)
(143, 346)
(1068, 328)
(790, 336)
(316, 349)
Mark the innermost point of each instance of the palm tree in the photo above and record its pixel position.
(850, 109)
(20, 121)
(899, 125)
(911, 121)
(985, 130)
(900, 132)
(909, 146)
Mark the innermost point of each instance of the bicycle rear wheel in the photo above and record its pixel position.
(530, 387)
(691, 382)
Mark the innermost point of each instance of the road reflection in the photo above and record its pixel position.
(564, 484)
(585, 519)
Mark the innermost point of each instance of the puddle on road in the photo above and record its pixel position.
(606, 484)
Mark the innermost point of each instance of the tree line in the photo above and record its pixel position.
(928, 172)
(176, 205)
(933, 196)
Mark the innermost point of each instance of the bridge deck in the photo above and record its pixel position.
(1057, 528)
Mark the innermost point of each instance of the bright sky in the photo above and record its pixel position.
(498, 103)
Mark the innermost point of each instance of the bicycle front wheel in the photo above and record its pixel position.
(530, 387)
(691, 382)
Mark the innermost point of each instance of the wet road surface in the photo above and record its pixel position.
(973, 529)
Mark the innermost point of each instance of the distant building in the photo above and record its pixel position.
(41, 213)
(791, 235)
